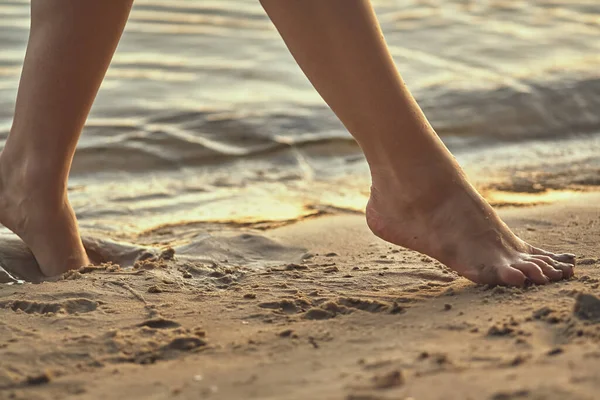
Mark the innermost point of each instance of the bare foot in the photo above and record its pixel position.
(41, 215)
(445, 218)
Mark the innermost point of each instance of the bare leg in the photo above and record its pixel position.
(70, 47)
(420, 197)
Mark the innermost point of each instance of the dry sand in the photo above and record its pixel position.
(348, 318)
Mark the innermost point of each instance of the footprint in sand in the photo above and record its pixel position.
(70, 306)
(17, 262)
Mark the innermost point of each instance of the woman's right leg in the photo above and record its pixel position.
(420, 198)
(70, 47)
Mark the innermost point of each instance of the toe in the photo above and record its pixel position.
(533, 271)
(511, 276)
(565, 269)
(567, 258)
(548, 267)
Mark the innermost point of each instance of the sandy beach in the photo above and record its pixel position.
(221, 203)
(321, 310)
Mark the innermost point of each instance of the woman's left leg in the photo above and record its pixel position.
(70, 46)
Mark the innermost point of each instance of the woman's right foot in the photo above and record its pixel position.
(40, 214)
(441, 215)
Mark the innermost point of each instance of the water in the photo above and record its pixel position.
(204, 115)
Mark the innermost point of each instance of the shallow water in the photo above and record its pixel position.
(204, 116)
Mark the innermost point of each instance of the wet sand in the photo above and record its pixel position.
(322, 310)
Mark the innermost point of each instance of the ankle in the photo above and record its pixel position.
(31, 176)
(423, 185)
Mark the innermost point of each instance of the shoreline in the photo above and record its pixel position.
(355, 319)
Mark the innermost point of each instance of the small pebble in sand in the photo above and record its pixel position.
(286, 333)
(40, 379)
(518, 360)
(519, 394)
(555, 351)
(250, 296)
(187, 275)
(168, 254)
(500, 331)
(587, 307)
(389, 380)
(199, 332)
(331, 255)
(318, 314)
(587, 261)
(447, 307)
(542, 312)
(397, 309)
(154, 289)
(295, 267)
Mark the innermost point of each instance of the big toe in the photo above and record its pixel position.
(532, 271)
(510, 276)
